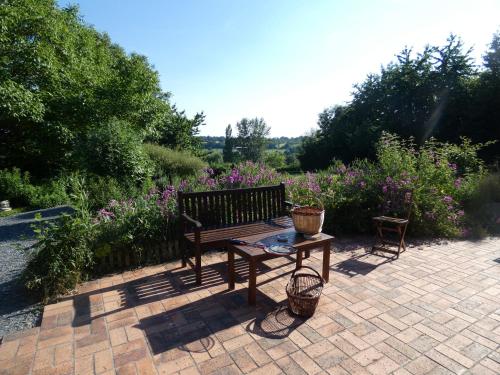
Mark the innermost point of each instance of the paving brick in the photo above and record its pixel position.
(290, 367)
(421, 365)
(319, 348)
(446, 361)
(243, 360)
(454, 355)
(215, 364)
(257, 354)
(383, 366)
(352, 367)
(367, 356)
(331, 358)
(305, 362)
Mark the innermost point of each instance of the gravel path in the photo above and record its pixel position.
(17, 310)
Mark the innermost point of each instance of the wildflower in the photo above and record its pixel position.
(453, 166)
(362, 184)
(182, 185)
(105, 214)
(458, 183)
(447, 199)
(460, 213)
(384, 189)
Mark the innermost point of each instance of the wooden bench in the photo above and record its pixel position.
(209, 218)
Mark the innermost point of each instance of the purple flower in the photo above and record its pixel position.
(362, 184)
(447, 199)
(384, 189)
(453, 166)
(458, 182)
(183, 185)
(105, 214)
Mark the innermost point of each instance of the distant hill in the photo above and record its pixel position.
(276, 143)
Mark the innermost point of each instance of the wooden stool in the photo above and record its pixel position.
(389, 224)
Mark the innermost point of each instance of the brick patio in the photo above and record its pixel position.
(436, 310)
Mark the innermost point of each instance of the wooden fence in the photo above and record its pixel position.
(152, 252)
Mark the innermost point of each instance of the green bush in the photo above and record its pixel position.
(103, 189)
(18, 189)
(483, 207)
(173, 163)
(63, 254)
(115, 150)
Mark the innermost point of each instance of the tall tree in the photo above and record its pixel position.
(228, 151)
(429, 94)
(61, 80)
(251, 139)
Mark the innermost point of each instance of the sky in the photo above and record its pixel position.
(283, 60)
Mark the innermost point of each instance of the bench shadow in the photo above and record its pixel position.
(158, 287)
(202, 325)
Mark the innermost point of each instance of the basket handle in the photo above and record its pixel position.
(310, 268)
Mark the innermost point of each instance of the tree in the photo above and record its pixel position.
(61, 80)
(423, 95)
(251, 139)
(228, 150)
(275, 159)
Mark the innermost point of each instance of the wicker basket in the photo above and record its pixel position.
(303, 291)
(308, 220)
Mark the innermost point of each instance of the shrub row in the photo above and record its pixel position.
(450, 192)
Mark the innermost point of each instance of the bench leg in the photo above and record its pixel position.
(197, 266)
(252, 282)
(230, 268)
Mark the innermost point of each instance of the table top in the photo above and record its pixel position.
(295, 239)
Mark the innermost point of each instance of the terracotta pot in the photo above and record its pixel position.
(308, 220)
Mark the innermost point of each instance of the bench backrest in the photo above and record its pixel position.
(222, 208)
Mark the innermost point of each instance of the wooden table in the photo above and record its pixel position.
(256, 254)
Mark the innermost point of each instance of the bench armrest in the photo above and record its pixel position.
(190, 220)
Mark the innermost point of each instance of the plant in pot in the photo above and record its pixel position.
(308, 213)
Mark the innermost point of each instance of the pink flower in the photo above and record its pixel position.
(447, 199)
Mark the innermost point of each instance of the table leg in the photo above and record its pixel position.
(298, 262)
(252, 282)
(326, 261)
(230, 268)
(308, 254)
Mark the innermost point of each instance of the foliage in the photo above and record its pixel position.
(482, 208)
(213, 158)
(275, 159)
(61, 80)
(172, 163)
(251, 140)
(180, 132)
(17, 187)
(228, 153)
(436, 93)
(102, 189)
(114, 150)
(62, 256)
